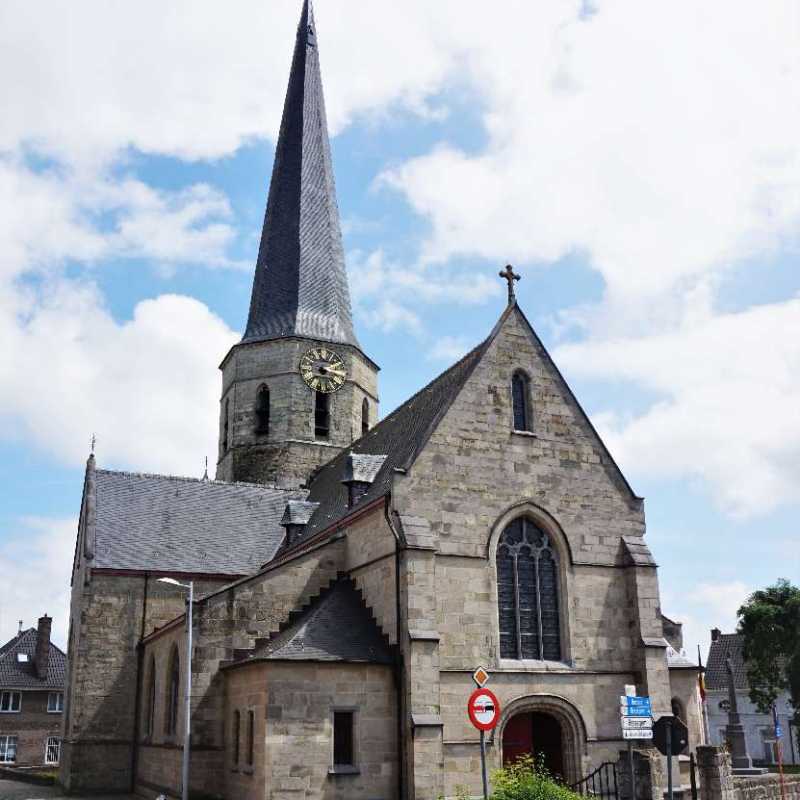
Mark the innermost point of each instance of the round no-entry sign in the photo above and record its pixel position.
(483, 709)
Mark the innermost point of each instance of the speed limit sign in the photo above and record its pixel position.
(483, 709)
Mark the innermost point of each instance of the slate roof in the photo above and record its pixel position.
(16, 675)
(300, 285)
(337, 626)
(161, 523)
(399, 437)
(727, 645)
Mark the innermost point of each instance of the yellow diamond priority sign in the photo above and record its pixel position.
(481, 677)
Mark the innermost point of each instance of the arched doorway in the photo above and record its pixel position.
(536, 734)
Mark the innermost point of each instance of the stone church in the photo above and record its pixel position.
(350, 573)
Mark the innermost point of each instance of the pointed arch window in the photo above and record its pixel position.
(322, 416)
(521, 401)
(173, 694)
(527, 593)
(151, 701)
(226, 426)
(262, 410)
(365, 417)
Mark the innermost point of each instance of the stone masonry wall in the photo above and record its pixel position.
(103, 664)
(294, 749)
(473, 477)
(288, 452)
(32, 726)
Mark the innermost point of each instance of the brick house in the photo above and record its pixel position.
(351, 574)
(31, 698)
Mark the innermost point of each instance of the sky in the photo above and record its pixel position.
(637, 162)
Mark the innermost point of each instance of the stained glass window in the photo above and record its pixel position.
(527, 594)
(520, 395)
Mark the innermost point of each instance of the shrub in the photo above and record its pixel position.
(526, 780)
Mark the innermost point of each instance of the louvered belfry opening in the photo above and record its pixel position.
(527, 593)
(262, 410)
(322, 415)
(520, 393)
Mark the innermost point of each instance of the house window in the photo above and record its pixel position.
(343, 739)
(10, 702)
(527, 594)
(52, 750)
(55, 702)
(151, 701)
(8, 749)
(262, 411)
(173, 696)
(520, 395)
(365, 417)
(322, 422)
(251, 736)
(237, 734)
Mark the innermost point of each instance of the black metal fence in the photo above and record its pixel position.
(602, 783)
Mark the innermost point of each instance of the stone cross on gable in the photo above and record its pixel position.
(511, 276)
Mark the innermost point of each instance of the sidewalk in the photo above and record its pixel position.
(16, 790)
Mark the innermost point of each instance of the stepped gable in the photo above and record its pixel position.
(336, 626)
(156, 522)
(15, 674)
(399, 438)
(728, 645)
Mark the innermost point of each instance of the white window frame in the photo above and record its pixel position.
(10, 695)
(59, 703)
(4, 750)
(52, 741)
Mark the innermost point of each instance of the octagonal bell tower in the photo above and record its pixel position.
(297, 388)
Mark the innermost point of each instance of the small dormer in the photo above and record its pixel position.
(295, 518)
(359, 473)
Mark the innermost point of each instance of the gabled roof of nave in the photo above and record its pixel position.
(402, 435)
(22, 675)
(164, 523)
(300, 284)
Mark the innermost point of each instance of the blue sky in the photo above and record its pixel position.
(648, 194)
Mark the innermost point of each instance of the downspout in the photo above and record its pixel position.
(398, 666)
(137, 709)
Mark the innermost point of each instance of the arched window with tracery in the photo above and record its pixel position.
(262, 410)
(365, 417)
(521, 401)
(173, 694)
(527, 593)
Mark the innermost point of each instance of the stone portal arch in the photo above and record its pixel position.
(570, 722)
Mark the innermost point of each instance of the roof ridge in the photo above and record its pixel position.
(189, 479)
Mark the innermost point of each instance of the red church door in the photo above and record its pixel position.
(537, 735)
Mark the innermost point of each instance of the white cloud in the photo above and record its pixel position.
(662, 141)
(709, 605)
(149, 387)
(728, 389)
(448, 348)
(36, 559)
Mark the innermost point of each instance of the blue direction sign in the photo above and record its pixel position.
(635, 707)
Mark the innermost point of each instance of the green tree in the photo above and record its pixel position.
(770, 624)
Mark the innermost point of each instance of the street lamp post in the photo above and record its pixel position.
(187, 731)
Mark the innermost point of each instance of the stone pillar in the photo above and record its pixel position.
(734, 730)
(715, 773)
(650, 778)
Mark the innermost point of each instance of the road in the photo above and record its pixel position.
(16, 790)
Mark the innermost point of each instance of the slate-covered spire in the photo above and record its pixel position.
(300, 286)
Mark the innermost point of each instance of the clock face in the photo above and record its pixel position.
(323, 370)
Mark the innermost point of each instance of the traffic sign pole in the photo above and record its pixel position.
(483, 766)
(633, 771)
(669, 760)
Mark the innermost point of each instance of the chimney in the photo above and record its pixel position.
(42, 657)
(715, 634)
(19, 632)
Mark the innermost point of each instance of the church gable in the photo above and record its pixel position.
(515, 433)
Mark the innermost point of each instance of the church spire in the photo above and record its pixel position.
(300, 285)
